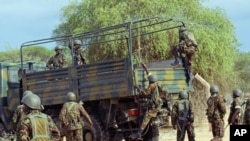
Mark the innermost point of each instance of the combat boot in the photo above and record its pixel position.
(176, 63)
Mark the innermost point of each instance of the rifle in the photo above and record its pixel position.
(145, 68)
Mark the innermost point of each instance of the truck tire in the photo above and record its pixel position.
(152, 134)
(95, 133)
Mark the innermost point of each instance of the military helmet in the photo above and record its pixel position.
(27, 92)
(58, 48)
(237, 92)
(77, 42)
(214, 89)
(152, 78)
(183, 95)
(71, 96)
(182, 29)
(32, 101)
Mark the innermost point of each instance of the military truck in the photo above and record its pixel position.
(105, 85)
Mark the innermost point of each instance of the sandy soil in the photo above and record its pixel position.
(202, 132)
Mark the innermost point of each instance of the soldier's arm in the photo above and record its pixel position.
(148, 91)
(62, 116)
(55, 133)
(174, 115)
(191, 112)
(48, 64)
(85, 114)
(222, 105)
(16, 115)
(24, 130)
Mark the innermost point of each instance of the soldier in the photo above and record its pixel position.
(79, 54)
(182, 117)
(58, 60)
(235, 109)
(247, 113)
(36, 125)
(186, 48)
(20, 112)
(215, 113)
(153, 90)
(70, 118)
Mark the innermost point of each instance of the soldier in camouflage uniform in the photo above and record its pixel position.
(186, 48)
(182, 117)
(58, 60)
(36, 125)
(70, 119)
(215, 113)
(20, 113)
(247, 113)
(236, 108)
(154, 90)
(79, 53)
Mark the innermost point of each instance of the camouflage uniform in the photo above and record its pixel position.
(79, 53)
(30, 127)
(36, 125)
(182, 118)
(70, 119)
(153, 90)
(247, 113)
(58, 60)
(186, 48)
(235, 109)
(215, 113)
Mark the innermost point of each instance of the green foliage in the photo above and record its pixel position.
(213, 30)
(36, 54)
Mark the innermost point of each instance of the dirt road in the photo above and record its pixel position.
(201, 131)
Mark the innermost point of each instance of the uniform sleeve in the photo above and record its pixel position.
(24, 130)
(55, 133)
(149, 90)
(85, 114)
(174, 114)
(17, 114)
(222, 105)
(62, 115)
(49, 62)
(191, 112)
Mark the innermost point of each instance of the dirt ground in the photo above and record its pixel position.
(202, 133)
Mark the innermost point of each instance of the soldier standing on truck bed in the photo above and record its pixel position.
(215, 113)
(79, 53)
(57, 61)
(185, 49)
(70, 119)
(36, 125)
(182, 117)
(153, 90)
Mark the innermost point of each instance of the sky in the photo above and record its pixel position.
(27, 20)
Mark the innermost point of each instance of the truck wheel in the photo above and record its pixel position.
(3, 133)
(152, 134)
(95, 133)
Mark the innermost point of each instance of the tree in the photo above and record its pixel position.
(212, 28)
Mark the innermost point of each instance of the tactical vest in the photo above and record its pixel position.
(183, 109)
(40, 127)
(157, 101)
(73, 117)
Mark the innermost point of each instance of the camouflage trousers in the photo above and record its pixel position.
(189, 128)
(149, 114)
(74, 135)
(218, 128)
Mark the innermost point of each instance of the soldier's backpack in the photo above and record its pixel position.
(73, 116)
(40, 127)
(183, 109)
